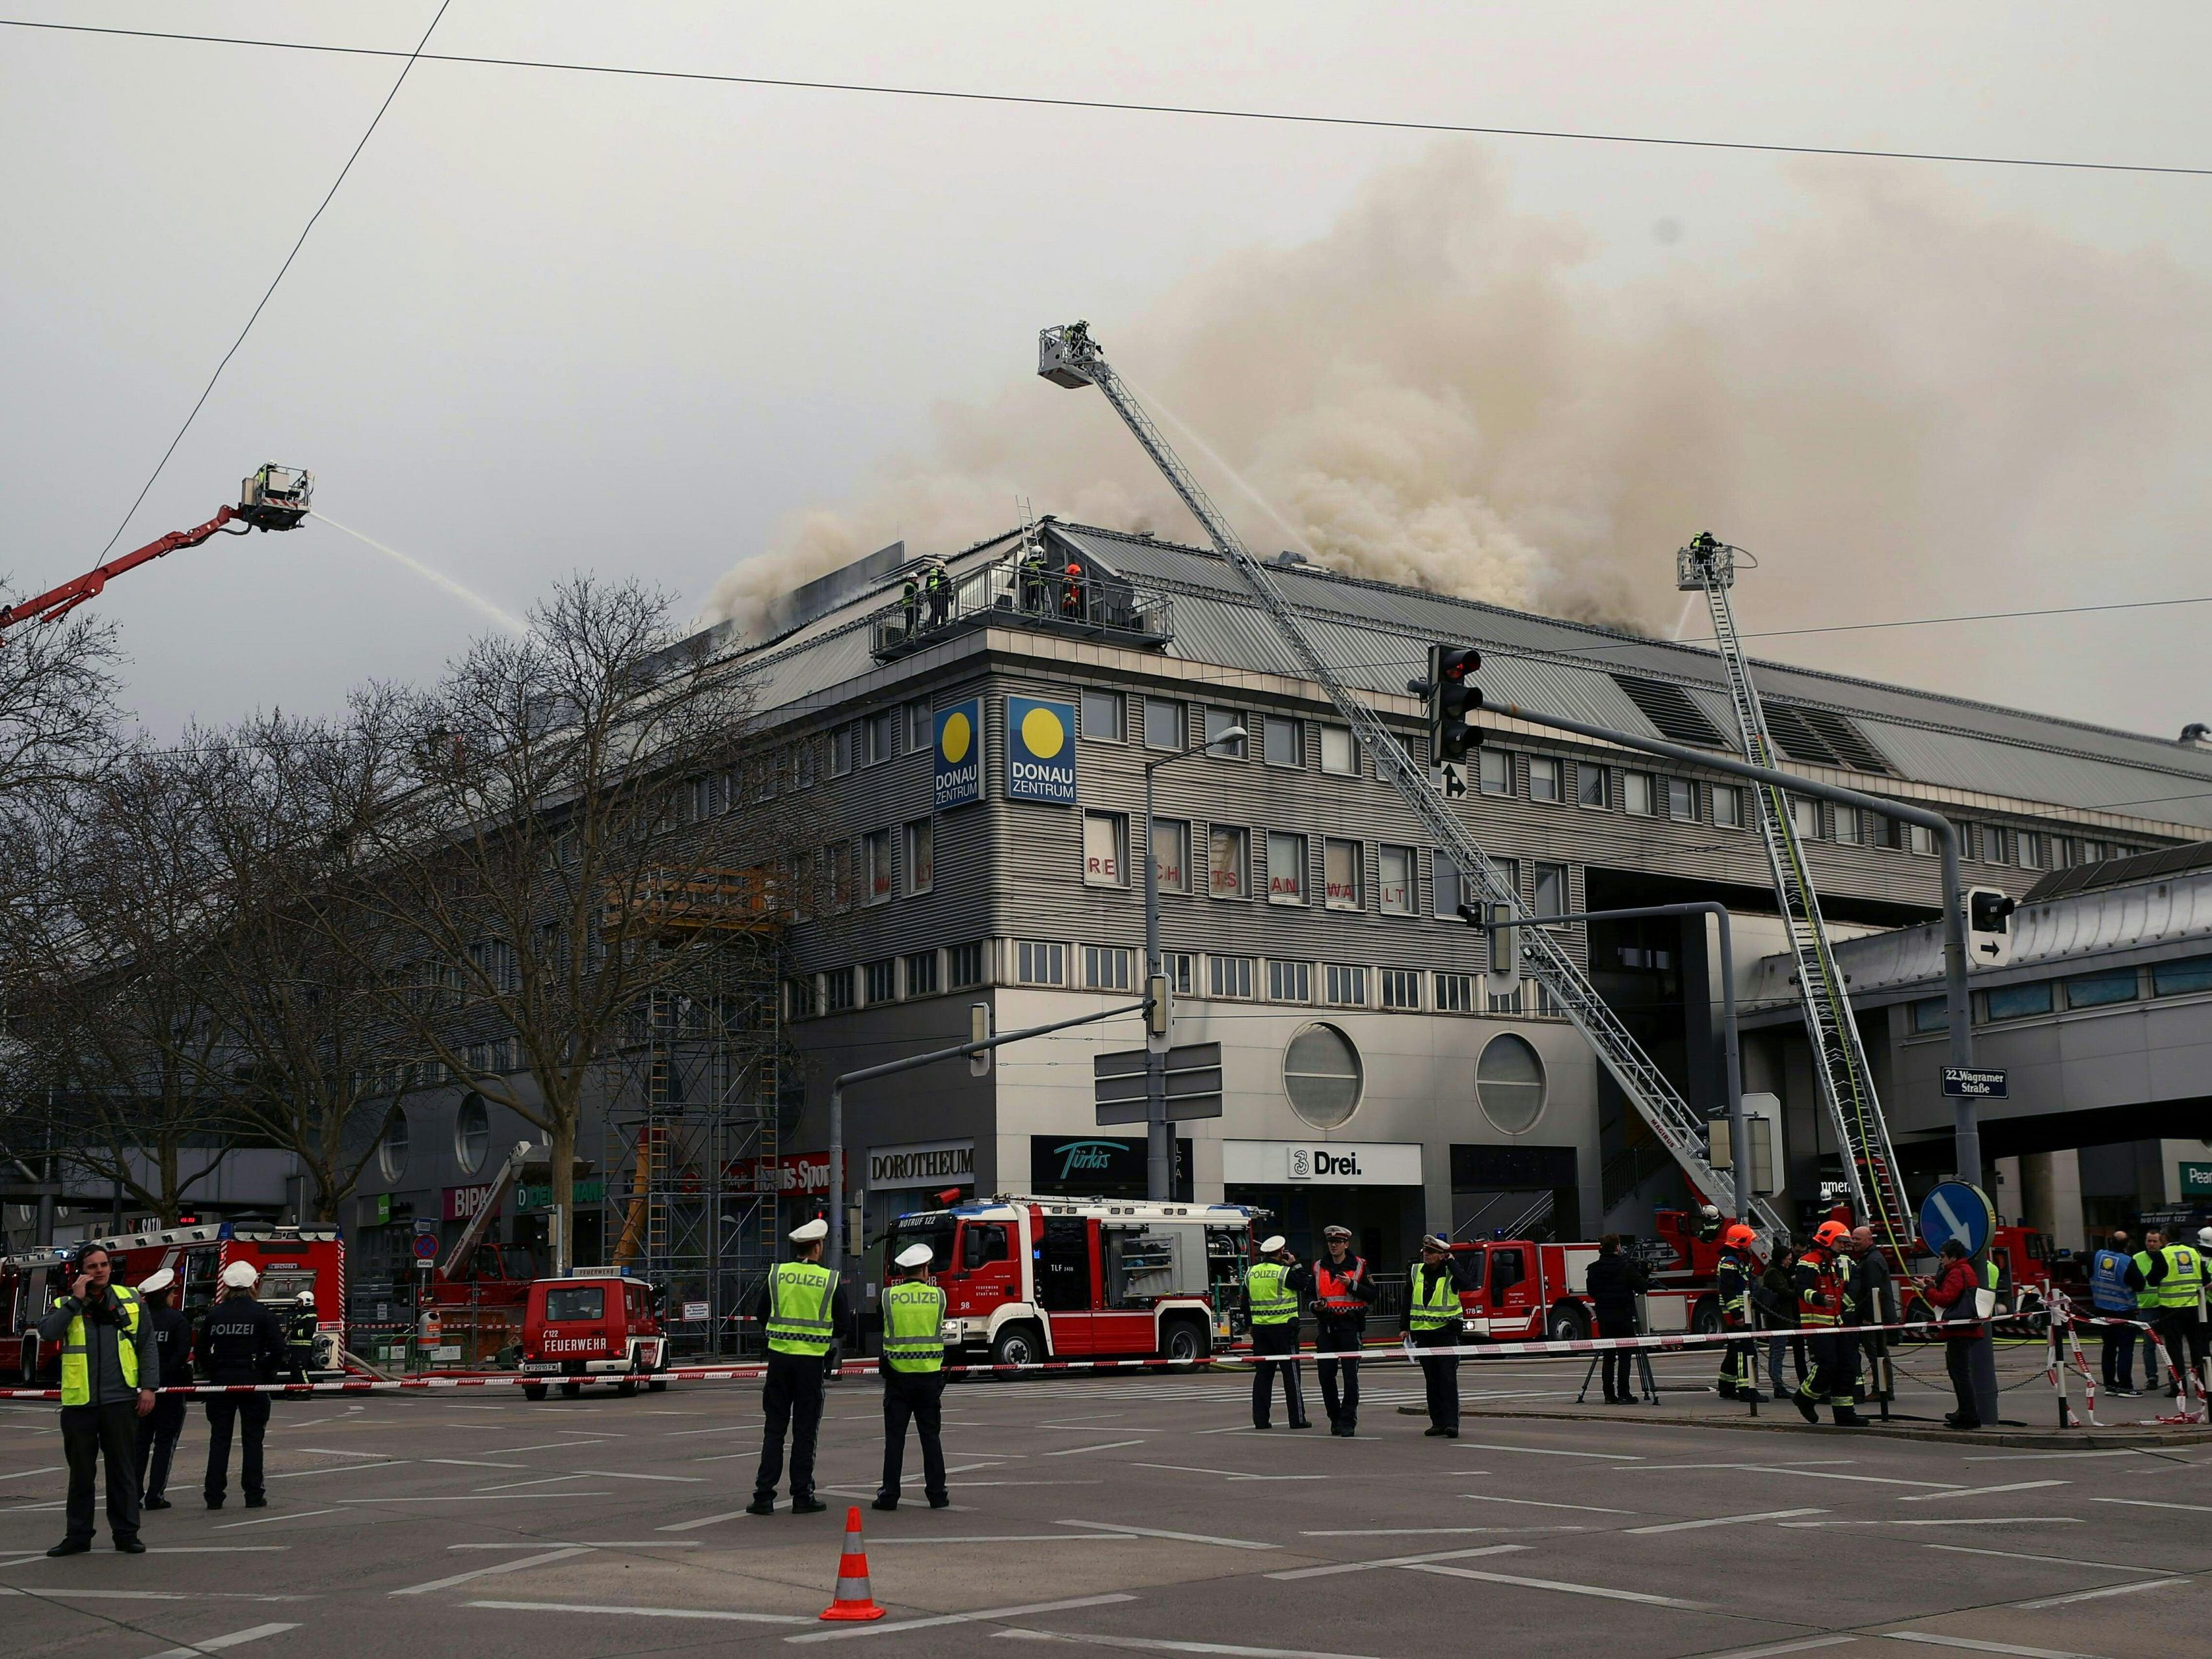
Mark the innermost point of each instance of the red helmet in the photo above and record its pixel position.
(1830, 1234)
(1739, 1237)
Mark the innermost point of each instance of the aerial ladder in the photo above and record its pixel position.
(274, 498)
(1068, 357)
(1707, 565)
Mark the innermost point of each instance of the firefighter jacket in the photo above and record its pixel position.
(801, 1309)
(106, 1346)
(299, 1332)
(240, 1341)
(1820, 1289)
(1338, 1290)
(1269, 1295)
(914, 1327)
(1732, 1279)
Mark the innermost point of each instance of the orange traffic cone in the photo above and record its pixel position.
(855, 1600)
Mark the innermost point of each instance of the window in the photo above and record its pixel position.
(2099, 990)
(1229, 861)
(2030, 850)
(1218, 721)
(921, 856)
(920, 728)
(1996, 844)
(1637, 794)
(576, 1302)
(1395, 881)
(1181, 969)
(1340, 862)
(2020, 1001)
(1805, 817)
(882, 981)
(497, 970)
(982, 1242)
(699, 799)
(1920, 839)
(472, 1134)
(391, 1150)
(922, 974)
(1728, 807)
(1171, 855)
(1508, 1084)
(1339, 753)
(1282, 742)
(1039, 962)
(1229, 976)
(1543, 778)
(840, 750)
(1105, 850)
(1494, 768)
(802, 765)
(1681, 801)
(1444, 885)
(964, 964)
(876, 856)
(1551, 889)
(1290, 982)
(1401, 988)
(881, 730)
(1163, 727)
(1930, 1014)
(1590, 785)
(1102, 716)
(799, 998)
(1455, 993)
(837, 991)
(1507, 1269)
(2182, 978)
(1323, 1077)
(1344, 984)
(767, 778)
(837, 867)
(1848, 829)
(1108, 968)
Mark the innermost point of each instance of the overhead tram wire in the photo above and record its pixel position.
(206, 391)
(1133, 107)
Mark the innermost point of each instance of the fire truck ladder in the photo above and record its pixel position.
(1708, 566)
(1068, 357)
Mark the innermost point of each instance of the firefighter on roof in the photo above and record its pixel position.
(798, 1306)
(914, 1376)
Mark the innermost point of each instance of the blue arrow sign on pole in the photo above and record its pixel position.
(1960, 1210)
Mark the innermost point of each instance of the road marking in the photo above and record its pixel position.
(1018, 1538)
(543, 1480)
(342, 1469)
(484, 1497)
(1231, 1474)
(2057, 1560)
(1960, 1521)
(474, 1463)
(2095, 1595)
(216, 1644)
(562, 1554)
(1108, 1445)
(703, 1521)
(735, 1428)
(619, 1474)
(1794, 1463)
(1071, 1422)
(70, 1593)
(1155, 1644)
(1982, 1491)
(1972, 1645)
(215, 1549)
(647, 1612)
(2043, 1457)
(1537, 1504)
(1337, 1567)
(589, 1544)
(1727, 1521)
(550, 1445)
(957, 1618)
(264, 1519)
(1781, 1647)
(1830, 1475)
(1545, 1451)
(25, 1474)
(1417, 1531)
(2152, 1504)
(1556, 1585)
(1178, 1537)
(332, 1451)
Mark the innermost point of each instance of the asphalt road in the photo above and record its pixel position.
(1138, 1513)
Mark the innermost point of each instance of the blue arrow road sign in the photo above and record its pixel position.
(1959, 1210)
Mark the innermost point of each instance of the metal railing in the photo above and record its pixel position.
(1019, 592)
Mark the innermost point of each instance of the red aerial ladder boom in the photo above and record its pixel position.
(275, 498)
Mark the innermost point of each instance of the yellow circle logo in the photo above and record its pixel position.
(1042, 734)
(956, 737)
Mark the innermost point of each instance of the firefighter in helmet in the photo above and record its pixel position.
(914, 1376)
(1825, 1296)
(1032, 577)
(300, 1331)
(1732, 1280)
(1071, 592)
(798, 1307)
(910, 602)
(938, 586)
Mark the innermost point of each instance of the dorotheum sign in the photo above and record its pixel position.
(923, 1165)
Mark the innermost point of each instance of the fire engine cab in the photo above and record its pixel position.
(597, 1325)
(1032, 1279)
(1521, 1291)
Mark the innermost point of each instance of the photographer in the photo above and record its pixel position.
(107, 1351)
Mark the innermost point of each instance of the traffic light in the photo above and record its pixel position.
(1505, 952)
(1454, 700)
(979, 1030)
(1988, 929)
(1159, 1012)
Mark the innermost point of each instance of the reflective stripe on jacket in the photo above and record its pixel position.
(914, 1327)
(76, 1366)
(799, 1308)
(1266, 1288)
(1819, 1290)
(2177, 1287)
(1436, 1306)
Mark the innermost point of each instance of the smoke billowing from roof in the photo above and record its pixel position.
(1905, 401)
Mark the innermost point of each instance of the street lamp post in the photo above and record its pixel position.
(1159, 1133)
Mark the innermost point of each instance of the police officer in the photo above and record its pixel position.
(240, 1341)
(1272, 1304)
(1431, 1320)
(798, 1306)
(2171, 1280)
(159, 1428)
(300, 1331)
(2115, 1282)
(1825, 1303)
(1338, 1284)
(109, 1367)
(1732, 1282)
(914, 1376)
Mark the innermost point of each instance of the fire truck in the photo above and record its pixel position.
(290, 1259)
(1032, 1279)
(597, 1325)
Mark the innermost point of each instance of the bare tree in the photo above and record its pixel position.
(56, 700)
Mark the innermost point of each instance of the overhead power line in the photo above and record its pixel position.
(1132, 106)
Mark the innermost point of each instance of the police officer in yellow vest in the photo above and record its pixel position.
(2173, 1274)
(109, 1368)
(799, 1306)
(914, 1376)
(1272, 1302)
(1431, 1320)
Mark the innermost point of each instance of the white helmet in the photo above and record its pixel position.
(2205, 1237)
(240, 1276)
(306, 1298)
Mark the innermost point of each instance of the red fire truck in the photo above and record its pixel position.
(290, 1260)
(1032, 1279)
(597, 1325)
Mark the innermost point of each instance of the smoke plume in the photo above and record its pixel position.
(1905, 401)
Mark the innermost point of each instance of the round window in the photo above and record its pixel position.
(1508, 1084)
(472, 1134)
(1322, 1075)
(391, 1151)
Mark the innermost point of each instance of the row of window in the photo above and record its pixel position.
(2187, 976)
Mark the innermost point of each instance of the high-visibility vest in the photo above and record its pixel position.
(77, 1361)
(2178, 1288)
(1820, 1290)
(2108, 1282)
(1273, 1301)
(914, 1327)
(1436, 1308)
(799, 1308)
(1333, 1285)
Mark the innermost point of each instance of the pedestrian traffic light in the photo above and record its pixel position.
(1159, 1012)
(979, 1030)
(1454, 700)
(1989, 928)
(1505, 952)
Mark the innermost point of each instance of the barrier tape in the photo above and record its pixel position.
(2183, 1374)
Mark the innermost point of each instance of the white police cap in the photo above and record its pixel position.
(160, 1279)
(1273, 1242)
(240, 1276)
(811, 1233)
(914, 1256)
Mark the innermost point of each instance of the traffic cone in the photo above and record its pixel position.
(855, 1600)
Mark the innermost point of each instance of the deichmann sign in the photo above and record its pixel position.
(1322, 1162)
(928, 1163)
(1041, 751)
(593, 1191)
(959, 775)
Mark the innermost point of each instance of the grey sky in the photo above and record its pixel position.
(555, 321)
